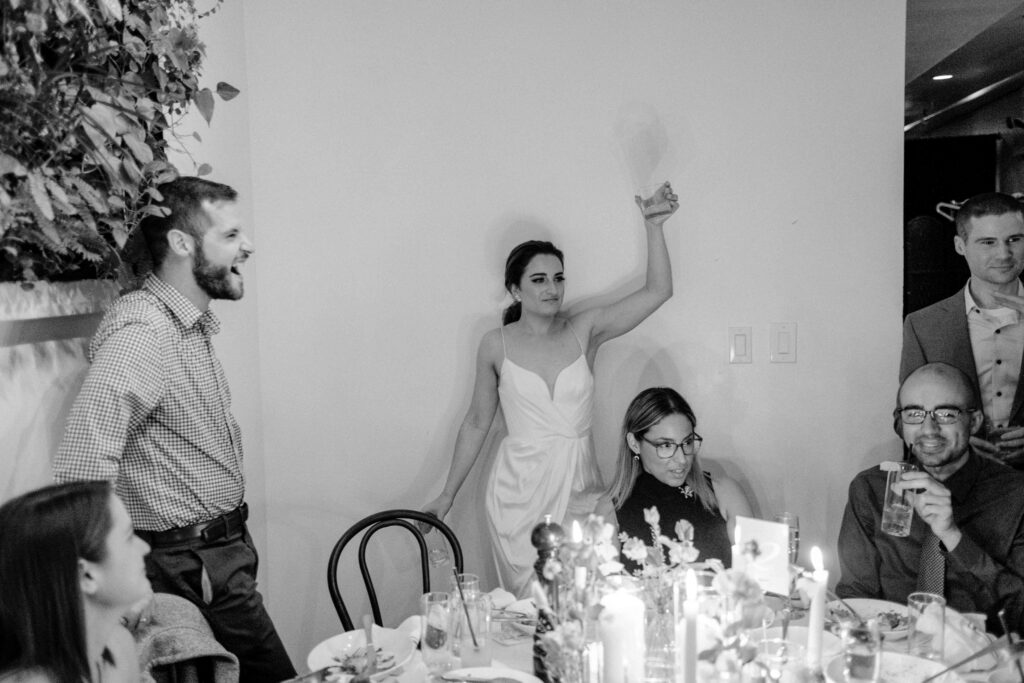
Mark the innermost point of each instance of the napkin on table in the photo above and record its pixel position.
(501, 598)
(411, 627)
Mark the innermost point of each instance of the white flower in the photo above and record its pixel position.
(605, 552)
(682, 553)
(609, 568)
(651, 516)
(635, 549)
(552, 568)
(684, 531)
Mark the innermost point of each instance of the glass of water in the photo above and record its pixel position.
(793, 522)
(897, 510)
(435, 645)
(862, 651)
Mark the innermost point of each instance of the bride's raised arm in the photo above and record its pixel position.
(615, 319)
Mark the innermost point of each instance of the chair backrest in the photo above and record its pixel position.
(372, 525)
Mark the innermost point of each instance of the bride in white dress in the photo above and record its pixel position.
(538, 366)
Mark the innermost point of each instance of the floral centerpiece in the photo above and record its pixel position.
(577, 575)
(651, 558)
(587, 567)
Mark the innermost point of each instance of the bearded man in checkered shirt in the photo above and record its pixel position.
(154, 416)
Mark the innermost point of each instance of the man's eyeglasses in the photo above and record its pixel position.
(666, 449)
(942, 416)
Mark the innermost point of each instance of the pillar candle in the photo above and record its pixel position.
(580, 578)
(622, 637)
(689, 630)
(816, 621)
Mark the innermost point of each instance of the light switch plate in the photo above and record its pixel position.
(740, 345)
(782, 342)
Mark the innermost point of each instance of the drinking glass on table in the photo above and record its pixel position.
(784, 660)
(471, 628)
(435, 645)
(793, 522)
(470, 583)
(927, 628)
(862, 651)
(897, 510)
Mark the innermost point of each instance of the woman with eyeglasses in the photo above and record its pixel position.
(658, 467)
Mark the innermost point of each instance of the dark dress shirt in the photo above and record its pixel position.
(710, 535)
(984, 573)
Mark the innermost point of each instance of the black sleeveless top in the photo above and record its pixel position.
(710, 535)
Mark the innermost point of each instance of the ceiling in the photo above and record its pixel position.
(979, 42)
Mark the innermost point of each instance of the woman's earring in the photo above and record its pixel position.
(636, 457)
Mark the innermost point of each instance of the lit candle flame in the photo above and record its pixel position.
(816, 559)
(577, 532)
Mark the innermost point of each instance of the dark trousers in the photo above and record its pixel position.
(219, 577)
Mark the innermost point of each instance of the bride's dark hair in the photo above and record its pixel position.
(516, 264)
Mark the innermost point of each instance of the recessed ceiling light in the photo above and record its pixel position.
(942, 77)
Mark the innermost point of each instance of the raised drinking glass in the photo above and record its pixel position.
(897, 510)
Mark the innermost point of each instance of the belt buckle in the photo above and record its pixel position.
(217, 529)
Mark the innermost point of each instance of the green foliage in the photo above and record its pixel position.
(90, 92)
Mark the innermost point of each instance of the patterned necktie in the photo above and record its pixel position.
(931, 571)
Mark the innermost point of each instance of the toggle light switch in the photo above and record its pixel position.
(782, 342)
(740, 345)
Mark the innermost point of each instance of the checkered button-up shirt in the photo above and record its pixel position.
(154, 413)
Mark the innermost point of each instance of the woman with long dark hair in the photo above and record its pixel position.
(659, 467)
(538, 366)
(70, 567)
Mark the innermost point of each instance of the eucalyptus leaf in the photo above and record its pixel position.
(204, 102)
(204, 169)
(227, 91)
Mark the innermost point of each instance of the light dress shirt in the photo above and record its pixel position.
(997, 340)
(154, 413)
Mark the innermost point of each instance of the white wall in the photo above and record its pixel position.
(226, 146)
(400, 149)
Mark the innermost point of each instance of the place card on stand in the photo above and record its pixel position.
(762, 551)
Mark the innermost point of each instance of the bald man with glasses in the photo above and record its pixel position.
(966, 541)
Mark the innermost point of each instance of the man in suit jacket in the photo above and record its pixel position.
(980, 329)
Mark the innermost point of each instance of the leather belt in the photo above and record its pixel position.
(212, 530)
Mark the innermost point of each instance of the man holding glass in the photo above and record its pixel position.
(966, 540)
(980, 329)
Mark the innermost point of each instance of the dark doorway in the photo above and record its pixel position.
(939, 170)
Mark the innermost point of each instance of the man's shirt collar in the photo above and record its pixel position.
(181, 308)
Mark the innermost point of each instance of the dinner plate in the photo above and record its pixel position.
(897, 667)
(869, 608)
(389, 641)
(489, 672)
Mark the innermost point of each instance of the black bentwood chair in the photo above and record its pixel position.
(372, 525)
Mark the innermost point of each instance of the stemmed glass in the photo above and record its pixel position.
(793, 522)
(439, 558)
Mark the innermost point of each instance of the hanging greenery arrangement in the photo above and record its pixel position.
(90, 94)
